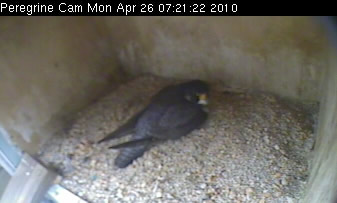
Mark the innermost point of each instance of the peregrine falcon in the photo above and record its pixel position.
(173, 112)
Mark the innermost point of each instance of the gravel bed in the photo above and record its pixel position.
(254, 148)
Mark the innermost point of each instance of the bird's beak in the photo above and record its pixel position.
(203, 99)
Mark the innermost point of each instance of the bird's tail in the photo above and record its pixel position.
(129, 154)
(120, 132)
(123, 130)
(132, 143)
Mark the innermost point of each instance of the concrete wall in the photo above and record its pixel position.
(322, 185)
(50, 68)
(283, 55)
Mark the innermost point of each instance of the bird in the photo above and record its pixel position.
(175, 111)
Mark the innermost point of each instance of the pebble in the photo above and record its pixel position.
(262, 201)
(276, 147)
(159, 194)
(81, 181)
(278, 194)
(266, 139)
(290, 200)
(169, 196)
(231, 195)
(119, 193)
(284, 181)
(203, 185)
(277, 175)
(93, 163)
(249, 191)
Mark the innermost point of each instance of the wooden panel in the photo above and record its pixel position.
(29, 184)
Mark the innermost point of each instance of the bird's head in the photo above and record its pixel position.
(196, 91)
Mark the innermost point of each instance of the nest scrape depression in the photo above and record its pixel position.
(253, 148)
